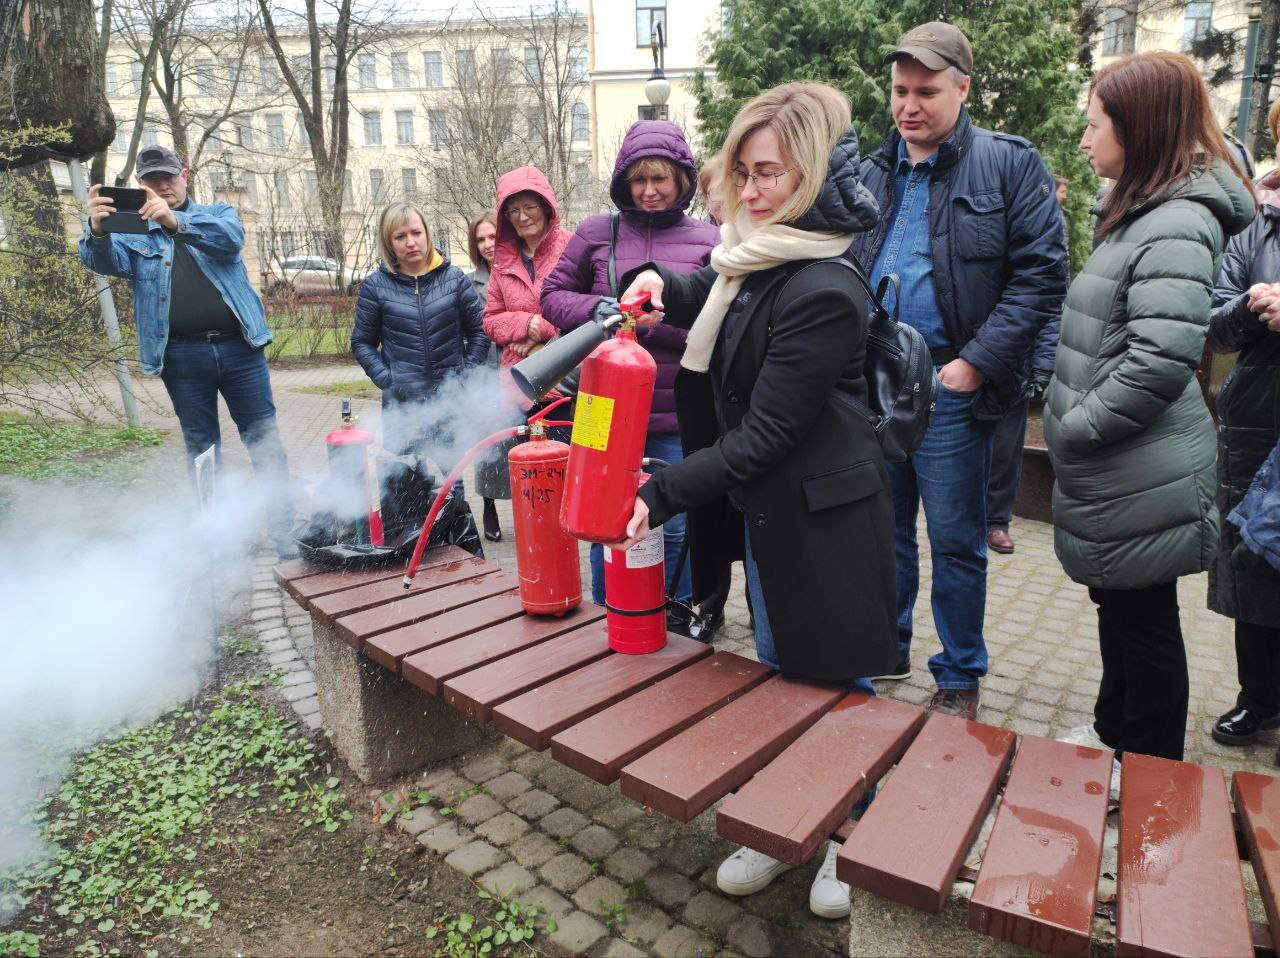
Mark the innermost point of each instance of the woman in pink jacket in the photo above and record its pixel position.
(529, 244)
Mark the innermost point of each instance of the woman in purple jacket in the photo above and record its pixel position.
(654, 180)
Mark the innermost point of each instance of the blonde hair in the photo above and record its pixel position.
(391, 220)
(1273, 121)
(712, 169)
(659, 166)
(808, 119)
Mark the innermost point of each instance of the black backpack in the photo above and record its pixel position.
(901, 384)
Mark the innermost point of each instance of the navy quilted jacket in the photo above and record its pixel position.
(411, 332)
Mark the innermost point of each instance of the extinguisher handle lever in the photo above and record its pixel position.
(649, 461)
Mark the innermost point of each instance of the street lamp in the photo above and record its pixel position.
(1246, 82)
(658, 88)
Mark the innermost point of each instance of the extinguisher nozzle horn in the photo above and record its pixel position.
(538, 374)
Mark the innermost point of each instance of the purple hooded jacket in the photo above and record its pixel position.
(669, 237)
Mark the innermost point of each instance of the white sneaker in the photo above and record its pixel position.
(1085, 735)
(747, 871)
(829, 896)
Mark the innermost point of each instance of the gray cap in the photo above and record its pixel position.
(158, 159)
(937, 45)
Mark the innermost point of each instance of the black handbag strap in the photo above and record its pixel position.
(613, 246)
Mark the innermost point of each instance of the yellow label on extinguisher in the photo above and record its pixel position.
(592, 420)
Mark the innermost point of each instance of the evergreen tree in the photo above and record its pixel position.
(1025, 76)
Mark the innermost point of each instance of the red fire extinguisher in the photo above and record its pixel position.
(546, 557)
(609, 427)
(635, 594)
(351, 461)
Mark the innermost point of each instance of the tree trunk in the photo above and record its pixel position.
(1260, 142)
(51, 56)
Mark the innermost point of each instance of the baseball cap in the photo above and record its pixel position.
(158, 159)
(937, 45)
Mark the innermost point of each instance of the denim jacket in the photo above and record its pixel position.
(215, 238)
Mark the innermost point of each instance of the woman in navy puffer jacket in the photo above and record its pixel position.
(418, 323)
(654, 180)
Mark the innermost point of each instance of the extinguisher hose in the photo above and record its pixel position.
(547, 408)
(443, 495)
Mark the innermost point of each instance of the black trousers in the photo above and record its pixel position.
(1258, 668)
(1006, 466)
(1142, 701)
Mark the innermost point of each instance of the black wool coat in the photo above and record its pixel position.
(788, 456)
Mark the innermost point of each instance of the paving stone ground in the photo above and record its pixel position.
(541, 828)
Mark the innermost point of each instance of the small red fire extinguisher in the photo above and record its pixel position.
(635, 594)
(546, 557)
(351, 462)
(609, 428)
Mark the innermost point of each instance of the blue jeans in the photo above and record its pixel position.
(195, 372)
(949, 474)
(664, 446)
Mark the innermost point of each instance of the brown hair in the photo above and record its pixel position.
(1159, 107)
(712, 169)
(473, 248)
(1273, 121)
(660, 166)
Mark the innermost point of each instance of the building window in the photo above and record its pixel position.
(280, 189)
(348, 192)
(244, 132)
(237, 81)
(400, 71)
(464, 65)
(649, 13)
(577, 63)
(504, 125)
(1118, 29)
(501, 64)
(113, 86)
(135, 77)
(580, 128)
(373, 128)
(1197, 20)
(268, 74)
(275, 131)
(301, 65)
(532, 66)
(303, 135)
(438, 129)
(330, 71)
(377, 186)
(368, 72)
(313, 185)
(433, 70)
(121, 143)
(404, 127)
(149, 134)
(409, 182)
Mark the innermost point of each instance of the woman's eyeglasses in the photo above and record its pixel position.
(763, 181)
(529, 211)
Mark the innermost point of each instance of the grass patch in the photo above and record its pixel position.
(309, 341)
(31, 450)
(128, 828)
(355, 389)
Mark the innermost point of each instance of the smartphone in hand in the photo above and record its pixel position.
(127, 202)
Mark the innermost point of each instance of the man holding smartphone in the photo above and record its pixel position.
(201, 327)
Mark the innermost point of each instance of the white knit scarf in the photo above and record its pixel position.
(745, 249)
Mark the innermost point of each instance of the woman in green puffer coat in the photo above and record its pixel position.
(1131, 441)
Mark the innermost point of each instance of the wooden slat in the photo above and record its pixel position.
(1039, 878)
(478, 691)
(795, 802)
(430, 668)
(469, 584)
(291, 569)
(391, 592)
(312, 587)
(1179, 890)
(912, 839)
(600, 746)
(1257, 799)
(389, 648)
(687, 774)
(535, 716)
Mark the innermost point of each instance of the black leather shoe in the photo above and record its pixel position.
(679, 621)
(704, 626)
(1241, 726)
(492, 532)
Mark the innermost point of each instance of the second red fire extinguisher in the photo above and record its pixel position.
(546, 557)
(351, 458)
(635, 600)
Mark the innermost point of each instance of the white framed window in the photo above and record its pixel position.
(464, 66)
(400, 77)
(368, 71)
(1119, 27)
(301, 67)
(280, 189)
(121, 142)
(404, 127)
(377, 186)
(580, 122)
(135, 76)
(577, 63)
(1197, 20)
(501, 58)
(649, 13)
(437, 128)
(206, 82)
(113, 85)
(533, 66)
(409, 182)
(432, 69)
(275, 130)
(330, 71)
(243, 132)
(269, 79)
(372, 128)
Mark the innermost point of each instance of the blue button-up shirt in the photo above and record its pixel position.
(905, 251)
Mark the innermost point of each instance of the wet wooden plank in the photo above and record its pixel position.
(688, 773)
(392, 593)
(478, 691)
(535, 716)
(601, 745)
(795, 802)
(430, 668)
(911, 841)
(389, 648)
(1179, 890)
(337, 580)
(1257, 800)
(1039, 878)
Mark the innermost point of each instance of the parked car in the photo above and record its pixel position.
(309, 276)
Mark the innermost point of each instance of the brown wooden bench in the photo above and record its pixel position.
(689, 727)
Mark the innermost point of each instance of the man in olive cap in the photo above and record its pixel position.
(972, 230)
